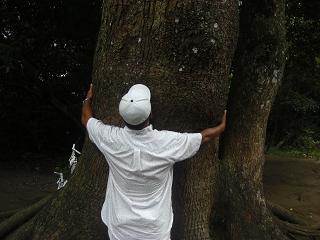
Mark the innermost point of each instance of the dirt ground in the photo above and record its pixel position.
(20, 188)
(295, 185)
(291, 183)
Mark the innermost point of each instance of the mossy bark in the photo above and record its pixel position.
(259, 64)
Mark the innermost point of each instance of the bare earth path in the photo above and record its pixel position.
(291, 183)
(20, 188)
(26, 181)
(295, 185)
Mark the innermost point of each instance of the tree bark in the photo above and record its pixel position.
(259, 65)
(182, 50)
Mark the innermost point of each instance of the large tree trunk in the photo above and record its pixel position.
(259, 65)
(182, 50)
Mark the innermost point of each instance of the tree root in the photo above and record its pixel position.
(300, 230)
(23, 232)
(6, 214)
(285, 215)
(292, 236)
(293, 225)
(22, 216)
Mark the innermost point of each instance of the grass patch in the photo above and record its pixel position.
(313, 153)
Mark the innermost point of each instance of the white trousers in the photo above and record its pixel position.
(112, 237)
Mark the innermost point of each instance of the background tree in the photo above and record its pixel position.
(294, 121)
(258, 69)
(46, 51)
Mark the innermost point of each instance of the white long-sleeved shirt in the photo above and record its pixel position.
(138, 197)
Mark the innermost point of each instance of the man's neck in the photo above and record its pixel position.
(138, 127)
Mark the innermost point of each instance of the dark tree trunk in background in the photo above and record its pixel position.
(182, 50)
(259, 65)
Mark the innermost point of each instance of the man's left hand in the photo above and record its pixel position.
(90, 92)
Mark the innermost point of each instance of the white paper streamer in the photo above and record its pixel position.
(61, 182)
(73, 158)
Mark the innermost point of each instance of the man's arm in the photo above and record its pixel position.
(210, 133)
(86, 108)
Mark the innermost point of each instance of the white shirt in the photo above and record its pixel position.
(138, 196)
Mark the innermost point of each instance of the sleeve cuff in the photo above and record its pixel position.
(89, 122)
(198, 137)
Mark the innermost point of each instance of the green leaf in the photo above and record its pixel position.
(317, 60)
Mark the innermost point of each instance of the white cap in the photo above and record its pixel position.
(135, 106)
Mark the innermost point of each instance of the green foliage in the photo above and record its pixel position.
(294, 152)
(294, 120)
(307, 141)
(46, 51)
(300, 102)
